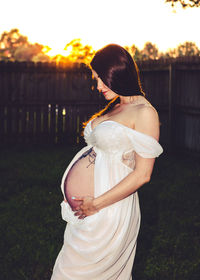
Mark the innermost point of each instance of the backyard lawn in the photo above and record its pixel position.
(32, 228)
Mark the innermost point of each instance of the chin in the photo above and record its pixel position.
(108, 97)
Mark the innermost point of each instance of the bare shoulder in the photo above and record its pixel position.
(147, 121)
(149, 112)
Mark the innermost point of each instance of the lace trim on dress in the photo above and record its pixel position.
(128, 158)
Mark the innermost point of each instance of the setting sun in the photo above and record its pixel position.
(58, 51)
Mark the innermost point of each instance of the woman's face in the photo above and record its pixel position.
(107, 92)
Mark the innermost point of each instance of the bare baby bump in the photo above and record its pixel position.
(80, 178)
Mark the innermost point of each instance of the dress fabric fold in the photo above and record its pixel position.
(103, 246)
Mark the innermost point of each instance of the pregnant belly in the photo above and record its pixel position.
(80, 178)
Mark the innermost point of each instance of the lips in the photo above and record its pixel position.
(104, 92)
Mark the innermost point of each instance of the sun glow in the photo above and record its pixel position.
(58, 51)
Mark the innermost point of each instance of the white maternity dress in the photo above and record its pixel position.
(102, 246)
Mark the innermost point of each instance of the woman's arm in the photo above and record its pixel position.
(148, 123)
(128, 185)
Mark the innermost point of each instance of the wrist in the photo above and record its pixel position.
(96, 204)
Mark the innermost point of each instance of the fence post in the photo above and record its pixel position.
(171, 106)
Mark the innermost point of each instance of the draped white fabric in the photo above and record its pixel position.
(102, 246)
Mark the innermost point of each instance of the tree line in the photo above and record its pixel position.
(15, 47)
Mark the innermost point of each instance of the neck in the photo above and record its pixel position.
(131, 99)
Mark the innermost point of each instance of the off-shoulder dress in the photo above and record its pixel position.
(102, 246)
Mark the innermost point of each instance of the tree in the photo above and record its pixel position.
(150, 51)
(27, 52)
(74, 51)
(170, 53)
(9, 42)
(79, 52)
(185, 49)
(185, 3)
(188, 49)
(15, 46)
(134, 51)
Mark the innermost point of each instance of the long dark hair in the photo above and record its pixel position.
(119, 72)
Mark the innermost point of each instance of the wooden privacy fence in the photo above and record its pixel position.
(173, 86)
(45, 103)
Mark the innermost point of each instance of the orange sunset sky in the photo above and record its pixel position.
(97, 23)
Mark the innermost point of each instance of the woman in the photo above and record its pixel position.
(100, 184)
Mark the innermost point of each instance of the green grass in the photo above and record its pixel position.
(32, 228)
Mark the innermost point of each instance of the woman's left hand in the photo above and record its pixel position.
(86, 208)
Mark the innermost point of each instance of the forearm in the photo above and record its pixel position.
(124, 188)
